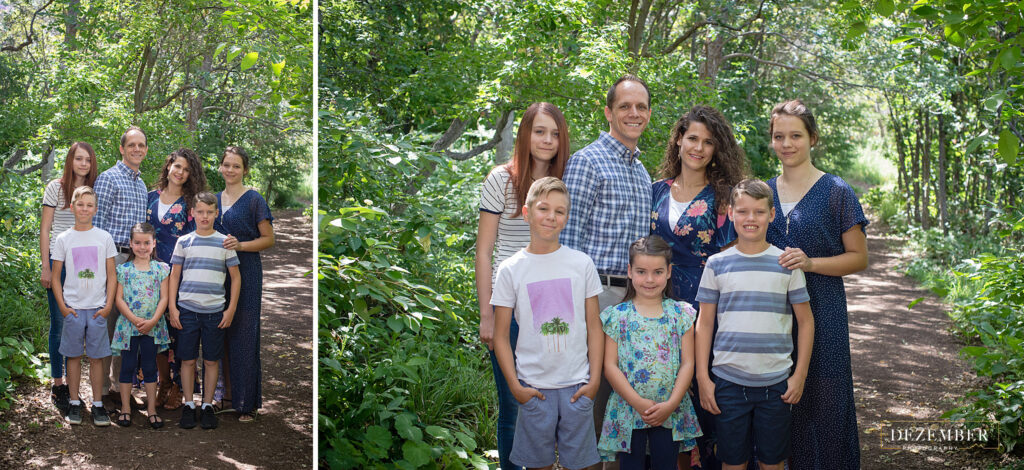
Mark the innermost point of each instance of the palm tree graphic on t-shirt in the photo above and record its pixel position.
(553, 311)
(86, 262)
(557, 328)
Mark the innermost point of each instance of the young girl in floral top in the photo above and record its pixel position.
(649, 362)
(141, 330)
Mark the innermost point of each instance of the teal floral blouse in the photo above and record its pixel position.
(142, 294)
(649, 356)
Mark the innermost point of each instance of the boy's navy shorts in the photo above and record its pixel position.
(83, 333)
(760, 408)
(544, 423)
(200, 327)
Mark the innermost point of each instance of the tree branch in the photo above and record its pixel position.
(502, 121)
(702, 23)
(799, 70)
(254, 118)
(31, 31)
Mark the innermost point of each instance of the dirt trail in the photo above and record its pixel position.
(905, 361)
(34, 435)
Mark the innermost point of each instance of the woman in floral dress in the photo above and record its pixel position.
(180, 180)
(702, 163)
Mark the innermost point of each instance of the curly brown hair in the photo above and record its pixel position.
(196, 182)
(728, 164)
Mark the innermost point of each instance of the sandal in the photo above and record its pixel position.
(173, 398)
(247, 417)
(155, 421)
(222, 406)
(124, 419)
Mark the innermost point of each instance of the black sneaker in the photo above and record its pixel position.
(75, 413)
(188, 417)
(99, 416)
(207, 420)
(60, 395)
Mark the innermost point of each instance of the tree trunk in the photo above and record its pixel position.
(915, 177)
(712, 59)
(71, 24)
(503, 151)
(198, 96)
(940, 194)
(902, 181)
(926, 171)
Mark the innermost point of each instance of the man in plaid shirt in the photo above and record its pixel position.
(610, 191)
(121, 203)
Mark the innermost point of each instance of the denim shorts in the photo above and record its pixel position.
(84, 334)
(758, 408)
(200, 327)
(543, 424)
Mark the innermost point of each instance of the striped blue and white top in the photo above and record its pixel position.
(204, 265)
(754, 294)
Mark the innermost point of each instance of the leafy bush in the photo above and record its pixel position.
(23, 321)
(403, 381)
(994, 317)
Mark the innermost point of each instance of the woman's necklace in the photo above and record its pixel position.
(784, 193)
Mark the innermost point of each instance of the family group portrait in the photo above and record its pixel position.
(669, 235)
(157, 241)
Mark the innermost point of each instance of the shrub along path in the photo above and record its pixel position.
(906, 363)
(34, 435)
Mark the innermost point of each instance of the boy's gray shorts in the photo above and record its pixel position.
(543, 424)
(83, 332)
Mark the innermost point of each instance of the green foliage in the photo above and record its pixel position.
(402, 383)
(24, 320)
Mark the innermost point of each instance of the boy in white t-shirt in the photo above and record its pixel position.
(556, 370)
(85, 298)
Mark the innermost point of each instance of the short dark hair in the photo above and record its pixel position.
(754, 188)
(610, 100)
(124, 137)
(205, 197)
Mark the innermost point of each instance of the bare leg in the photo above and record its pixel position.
(96, 377)
(765, 466)
(151, 398)
(726, 466)
(209, 377)
(126, 394)
(188, 379)
(74, 374)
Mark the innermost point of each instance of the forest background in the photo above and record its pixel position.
(919, 103)
(202, 74)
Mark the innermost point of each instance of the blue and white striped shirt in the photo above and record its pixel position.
(754, 343)
(204, 265)
(610, 203)
(121, 199)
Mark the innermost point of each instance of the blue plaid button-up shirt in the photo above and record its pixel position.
(121, 201)
(610, 203)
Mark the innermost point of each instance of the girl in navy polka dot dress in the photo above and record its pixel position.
(820, 224)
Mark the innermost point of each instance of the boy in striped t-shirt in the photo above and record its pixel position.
(199, 265)
(752, 295)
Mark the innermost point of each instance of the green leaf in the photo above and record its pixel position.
(249, 60)
(885, 7)
(233, 52)
(426, 302)
(219, 49)
(1009, 57)
(417, 361)
(331, 362)
(378, 440)
(856, 30)
(1009, 145)
(439, 432)
(406, 429)
(954, 37)
(974, 351)
(277, 68)
(915, 302)
(416, 452)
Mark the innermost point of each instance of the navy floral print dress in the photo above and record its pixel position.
(699, 233)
